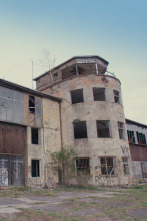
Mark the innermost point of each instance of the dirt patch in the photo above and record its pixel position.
(138, 213)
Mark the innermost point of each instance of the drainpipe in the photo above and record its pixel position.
(96, 67)
(63, 180)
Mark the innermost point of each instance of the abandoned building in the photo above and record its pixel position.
(29, 131)
(77, 104)
(137, 134)
(92, 117)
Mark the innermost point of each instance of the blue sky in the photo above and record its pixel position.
(113, 29)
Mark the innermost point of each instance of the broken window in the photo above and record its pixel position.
(103, 129)
(80, 129)
(35, 135)
(99, 94)
(77, 96)
(32, 104)
(107, 165)
(82, 164)
(126, 166)
(55, 76)
(35, 168)
(121, 130)
(131, 136)
(141, 138)
(116, 96)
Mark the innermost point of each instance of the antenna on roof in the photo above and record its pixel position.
(32, 74)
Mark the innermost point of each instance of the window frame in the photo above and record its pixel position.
(94, 93)
(121, 130)
(76, 135)
(38, 136)
(126, 166)
(116, 96)
(141, 138)
(131, 136)
(32, 101)
(81, 98)
(112, 172)
(83, 168)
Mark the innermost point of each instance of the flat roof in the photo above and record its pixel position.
(75, 57)
(23, 89)
(135, 123)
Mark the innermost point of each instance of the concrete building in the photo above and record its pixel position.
(92, 117)
(137, 136)
(29, 131)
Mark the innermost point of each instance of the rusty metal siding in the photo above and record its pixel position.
(12, 139)
(138, 152)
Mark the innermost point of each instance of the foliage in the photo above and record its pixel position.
(63, 162)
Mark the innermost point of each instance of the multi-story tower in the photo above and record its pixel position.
(92, 117)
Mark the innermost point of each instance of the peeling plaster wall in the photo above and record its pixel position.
(90, 111)
(50, 141)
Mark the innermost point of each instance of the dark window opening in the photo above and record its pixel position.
(35, 168)
(107, 165)
(121, 130)
(116, 96)
(126, 166)
(82, 164)
(103, 129)
(55, 76)
(99, 94)
(35, 136)
(131, 136)
(80, 129)
(141, 138)
(32, 104)
(77, 96)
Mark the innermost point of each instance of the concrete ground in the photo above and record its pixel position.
(73, 204)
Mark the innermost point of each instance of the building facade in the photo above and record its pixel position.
(137, 137)
(92, 118)
(29, 131)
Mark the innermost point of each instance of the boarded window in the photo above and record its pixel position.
(126, 166)
(121, 130)
(80, 129)
(32, 104)
(99, 94)
(131, 136)
(82, 164)
(107, 165)
(116, 96)
(77, 96)
(141, 138)
(35, 168)
(35, 135)
(103, 129)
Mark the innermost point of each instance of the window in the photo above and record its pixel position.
(107, 165)
(35, 135)
(32, 104)
(131, 136)
(35, 168)
(82, 164)
(116, 96)
(126, 166)
(141, 138)
(55, 76)
(121, 130)
(99, 94)
(80, 129)
(103, 129)
(77, 96)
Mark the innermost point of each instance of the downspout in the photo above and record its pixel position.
(63, 180)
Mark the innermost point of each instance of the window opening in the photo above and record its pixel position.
(121, 130)
(80, 129)
(131, 136)
(126, 166)
(77, 96)
(82, 164)
(99, 94)
(35, 168)
(107, 165)
(141, 138)
(35, 135)
(32, 104)
(116, 96)
(103, 129)
(55, 76)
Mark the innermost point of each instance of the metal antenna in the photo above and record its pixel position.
(32, 74)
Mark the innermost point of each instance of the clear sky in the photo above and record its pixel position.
(115, 30)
